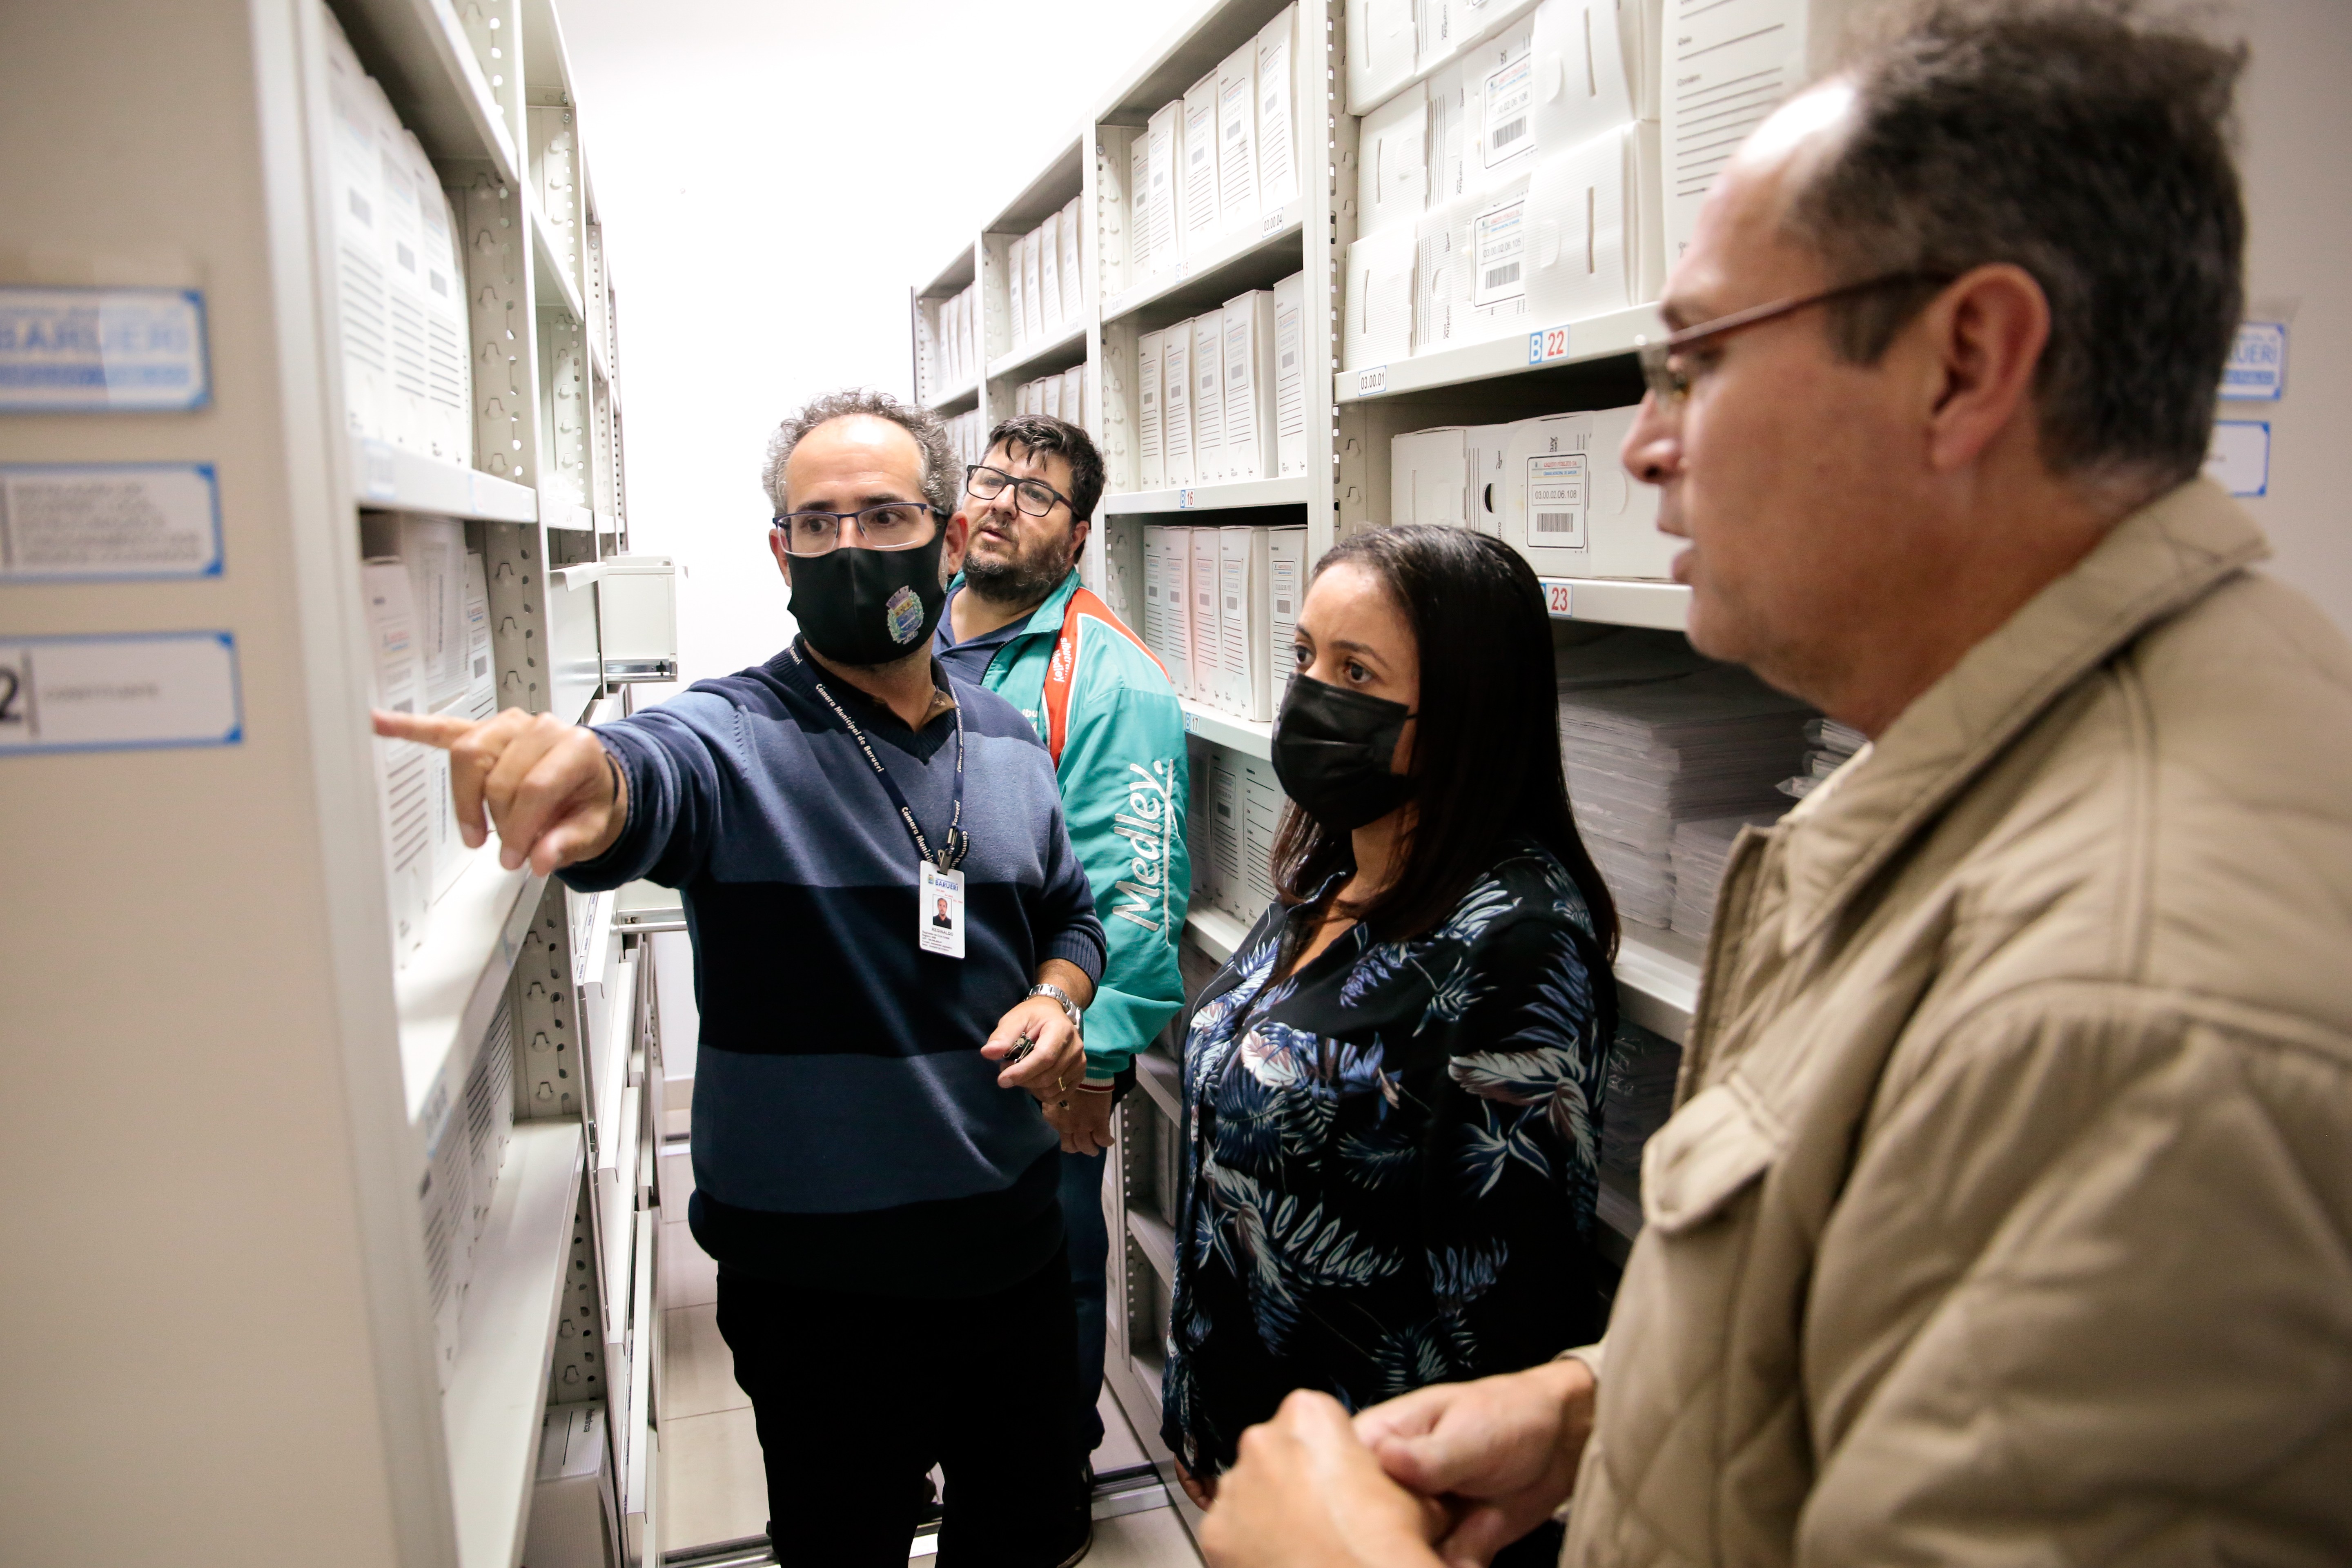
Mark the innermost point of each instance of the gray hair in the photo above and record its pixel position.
(942, 478)
(2084, 143)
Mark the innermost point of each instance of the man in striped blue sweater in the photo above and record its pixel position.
(879, 1094)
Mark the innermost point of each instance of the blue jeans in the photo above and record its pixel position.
(1089, 1242)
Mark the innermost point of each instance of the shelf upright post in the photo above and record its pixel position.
(1331, 229)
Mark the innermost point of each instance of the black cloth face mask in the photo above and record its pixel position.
(869, 607)
(1332, 749)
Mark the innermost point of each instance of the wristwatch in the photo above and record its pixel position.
(1070, 1008)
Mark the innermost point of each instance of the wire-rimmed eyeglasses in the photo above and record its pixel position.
(1032, 496)
(1668, 377)
(892, 525)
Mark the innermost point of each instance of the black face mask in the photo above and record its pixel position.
(1331, 751)
(869, 607)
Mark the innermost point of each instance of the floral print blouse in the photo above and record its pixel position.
(1389, 1170)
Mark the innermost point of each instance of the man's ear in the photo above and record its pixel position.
(776, 548)
(1988, 331)
(959, 536)
(1079, 532)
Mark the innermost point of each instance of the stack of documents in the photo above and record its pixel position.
(1222, 398)
(947, 344)
(1639, 1095)
(1218, 608)
(1700, 850)
(1043, 297)
(1643, 757)
(1212, 169)
(1833, 744)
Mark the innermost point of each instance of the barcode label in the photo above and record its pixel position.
(1508, 134)
(1555, 522)
(1499, 276)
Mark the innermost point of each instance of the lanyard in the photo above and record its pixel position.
(958, 843)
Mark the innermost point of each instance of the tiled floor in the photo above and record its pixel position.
(712, 1486)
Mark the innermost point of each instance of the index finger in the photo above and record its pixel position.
(442, 729)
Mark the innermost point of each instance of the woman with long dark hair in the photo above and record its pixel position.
(1395, 1084)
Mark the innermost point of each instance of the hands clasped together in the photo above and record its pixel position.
(1446, 1475)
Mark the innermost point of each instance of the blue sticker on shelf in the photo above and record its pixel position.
(1550, 344)
(120, 691)
(109, 522)
(99, 351)
(2239, 457)
(2256, 370)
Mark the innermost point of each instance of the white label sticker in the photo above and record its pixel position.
(78, 521)
(2256, 370)
(1510, 99)
(1559, 596)
(1373, 381)
(1556, 492)
(938, 913)
(105, 693)
(2239, 457)
(94, 350)
(1500, 250)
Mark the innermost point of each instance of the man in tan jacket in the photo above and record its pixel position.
(2006, 1213)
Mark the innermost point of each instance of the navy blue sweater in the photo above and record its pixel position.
(847, 1133)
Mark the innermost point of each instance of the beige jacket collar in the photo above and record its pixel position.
(2154, 562)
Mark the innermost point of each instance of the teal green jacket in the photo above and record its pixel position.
(1124, 788)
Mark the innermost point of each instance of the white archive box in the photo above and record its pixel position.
(1226, 823)
(1277, 118)
(482, 672)
(1596, 66)
(1207, 626)
(1249, 374)
(1245, 688)
(636, 617)
(1123, 574)
(1160, 604)
(1176, 583)
(1433, 475)
(1471, 264)
(1564, 500)
(1127, 267)
(1208, 398)
(571, 1516)
(1261, 804)
(1290, 376)
(1163, 196)
(1598, 240)
(1393, 153)
(1382, 44)
(403, 773)
(1378, 300)
(1286, 560)
(1176, 405)
(1729, 65)
(1203, 221)
(1033, 300)
(1073, 282)
(434, 551)
(1049, 275)
(1151, 456)
(1237, 191)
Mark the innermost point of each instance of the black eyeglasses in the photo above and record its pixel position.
(1032, 496)
(892, 525)
(1669, 379)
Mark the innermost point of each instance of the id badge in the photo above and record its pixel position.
(938, 913)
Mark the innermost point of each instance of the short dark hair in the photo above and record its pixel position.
(2084, 142)
(1040, 435)
(943, 480)
(1486, 757)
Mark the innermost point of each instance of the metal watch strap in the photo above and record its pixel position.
(1070, 1008)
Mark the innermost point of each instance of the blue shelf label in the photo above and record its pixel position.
(102, 350)
(125, 691)
(1550, 344)
(2256, 370)
(84, 522)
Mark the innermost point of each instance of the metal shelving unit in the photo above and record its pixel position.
(391, 1311)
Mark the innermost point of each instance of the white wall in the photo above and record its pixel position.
(773, 178)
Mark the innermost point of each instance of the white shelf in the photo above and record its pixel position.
(449, 989)
(490, 1415)
(434, 80)
(1209, 498)
(1492, 18)
(1163, 1080)
(397, 479)
(962, 400)
(1055, 348)
(1617, 602)
(1595, 337)
(1243, 736)
(1157, 1239)
(561, 511)
(1238, 261)
(953, 278)
(1214, 931)
(1657, 979)
(553, 276)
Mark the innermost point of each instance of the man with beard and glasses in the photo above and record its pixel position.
(1019, 623)
(872, 1171)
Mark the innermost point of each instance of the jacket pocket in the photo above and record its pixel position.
(1706, 1154)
